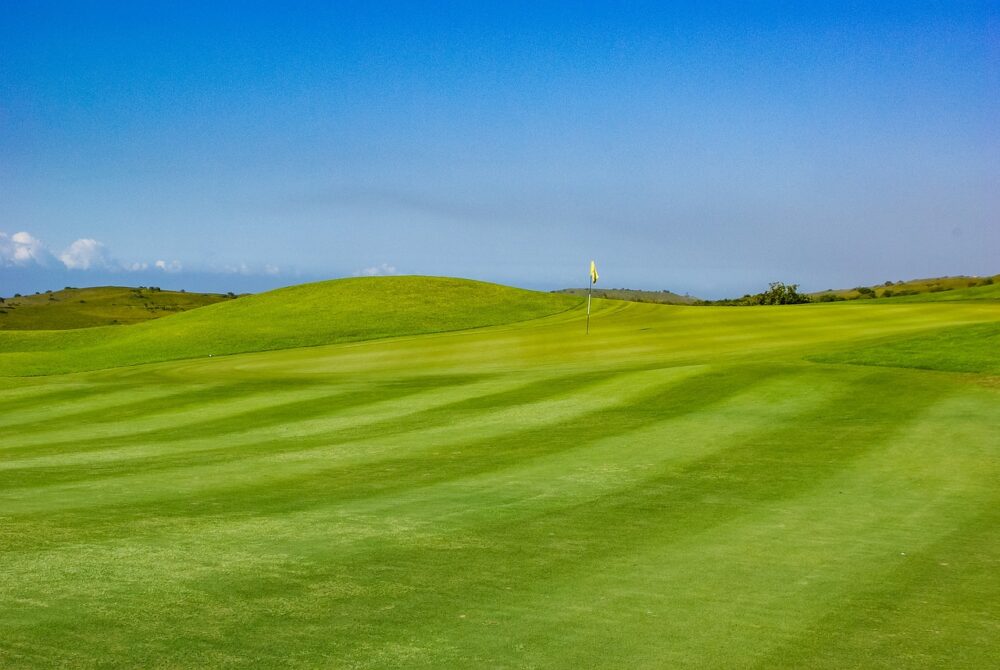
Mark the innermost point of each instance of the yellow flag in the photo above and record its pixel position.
(593, 273)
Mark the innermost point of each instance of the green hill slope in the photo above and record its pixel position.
(680, 488)
(916, 289)
(305, 315)
(983, 292)
(97, 306)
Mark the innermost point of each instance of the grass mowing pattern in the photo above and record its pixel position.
(679, 489)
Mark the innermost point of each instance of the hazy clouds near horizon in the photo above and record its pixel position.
(702, 150)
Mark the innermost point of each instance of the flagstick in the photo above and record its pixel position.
(590, 290)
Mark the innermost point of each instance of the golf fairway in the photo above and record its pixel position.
(810, 486)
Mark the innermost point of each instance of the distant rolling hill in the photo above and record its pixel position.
(634, 295)
(342, 310)
(97, 306)
(980, 292)
(940, 287)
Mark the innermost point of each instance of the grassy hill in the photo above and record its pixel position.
(979, 292)
(633, 295)
(342, 310)
(810, 486)
(97, 306)
(914, 287)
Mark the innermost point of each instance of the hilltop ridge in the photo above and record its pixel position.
(340, 310)
(915, 287)
(98, 306)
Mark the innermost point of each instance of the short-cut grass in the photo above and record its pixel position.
(973, 348)
(685, 487)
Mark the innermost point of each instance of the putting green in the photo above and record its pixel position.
(470, 481)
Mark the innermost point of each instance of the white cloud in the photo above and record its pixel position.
(376, 271)
(172, 266)
(249, 270)
(241, 269)
(22, 249)
(86, 254)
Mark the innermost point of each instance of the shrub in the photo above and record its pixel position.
(778, 293)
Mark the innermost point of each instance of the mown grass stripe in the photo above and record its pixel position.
(229, 406)
(314, 475)
(47, 401)
(340, 416)
(670, 508)
(572, 543)
(539, 498)
(114, 405)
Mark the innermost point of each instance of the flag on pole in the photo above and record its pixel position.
(590, 290)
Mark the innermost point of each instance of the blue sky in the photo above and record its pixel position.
(704, 148)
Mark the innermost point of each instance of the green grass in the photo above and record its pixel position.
(959, 349)
(682, 488)
(306, 315)
(97, 306)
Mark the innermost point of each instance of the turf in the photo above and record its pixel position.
(97, 306)
(973, 348)
(684, 487)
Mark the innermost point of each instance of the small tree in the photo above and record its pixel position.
(779, 293)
